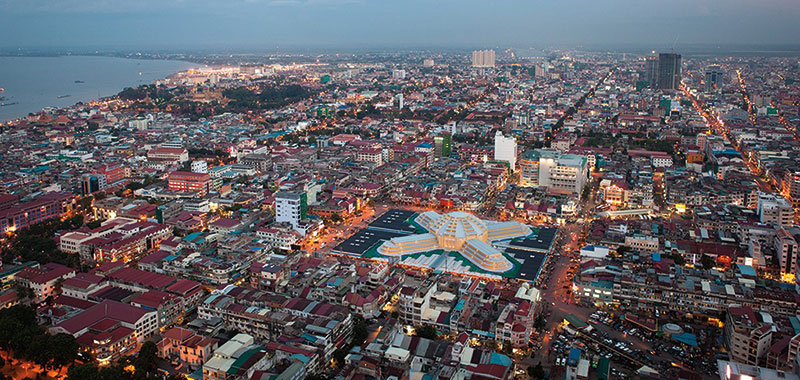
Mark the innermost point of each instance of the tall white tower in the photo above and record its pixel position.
(505, 149)
(483, 58)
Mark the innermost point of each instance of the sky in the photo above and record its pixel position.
(277, 24)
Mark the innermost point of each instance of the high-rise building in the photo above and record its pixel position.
(92, 182)
(483, 58)
(651, 70)
(442, 145)
(529, 168)
(291, 208)
(104, 177)
(747, 334)
(715, 78)
(774, 208)
(428, 62)
(791, 187)
(399, 100)
(199, 166)
(505, 149)
(786, 247)
(669, 71)
(567, 173)
(399, 74)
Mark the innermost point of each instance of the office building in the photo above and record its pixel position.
(178, 155)
(191, 182)
(483, 58)
(669, 71)
(651, 70)
(199, 166)
(786, 247)
(715, 78)
(566, 173)
(104, 177)
(791, 187)
(291, 208)
(428, 62)
(442, 145)
(747, 335)
(774, 208)
(505, 150)
(91, 183)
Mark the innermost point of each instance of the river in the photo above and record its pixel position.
(33, 83)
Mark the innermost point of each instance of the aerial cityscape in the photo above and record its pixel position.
(468, 197)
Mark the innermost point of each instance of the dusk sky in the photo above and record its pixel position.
(412, 23)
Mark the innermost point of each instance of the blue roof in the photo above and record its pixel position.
(338, 281)
(483, 333)
(727, 152)
(795, 324)
(574, 354)
(425, 145)
(276, 134)
(686, 338)
(299, 357)
(191, 236)
(656, 257)
(501, 359)
(746, 270)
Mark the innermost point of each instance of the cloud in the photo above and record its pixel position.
(477, 23)
(123, 6)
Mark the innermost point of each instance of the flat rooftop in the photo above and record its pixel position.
(363, 240)
(394, 220)
(531, 263)
(542, 242)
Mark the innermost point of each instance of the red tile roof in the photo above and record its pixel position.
(105, 310)
(45, 273)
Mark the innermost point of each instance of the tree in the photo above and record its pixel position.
(147, 361)
(426, 331)
(360, 332)
(133, 186)
(83, 372)
(707, 262)
(95, 223)
(23, 292)
(63, 350)
(537, 371)
(540, 322)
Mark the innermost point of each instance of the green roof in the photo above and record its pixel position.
(237, 365)
(575, 321)
(602, 368)
(290, 372)
(531, 154)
